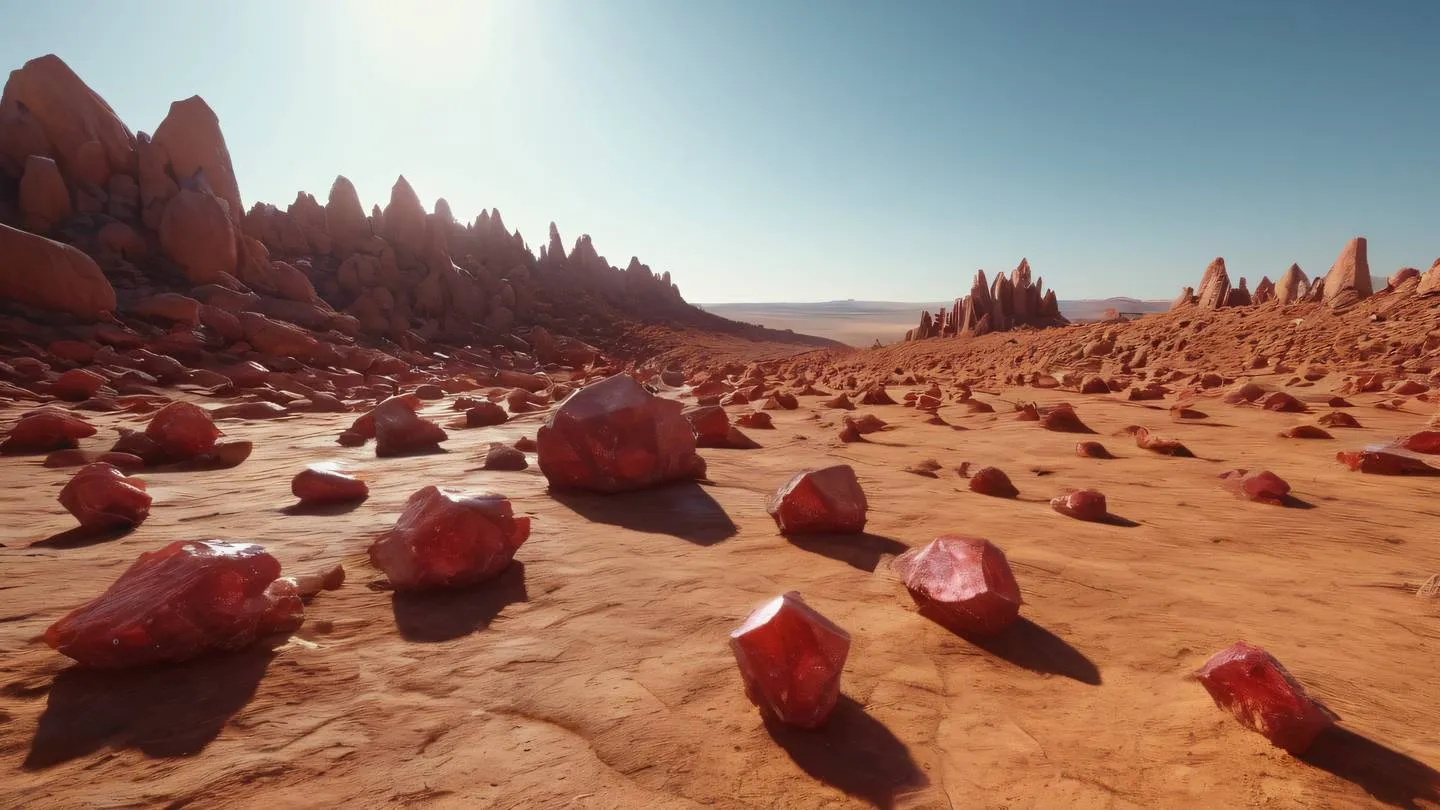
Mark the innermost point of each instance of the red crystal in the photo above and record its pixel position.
(399, 430)
(1087, 504)
(1092, 450)
(188, 598)
(963, 583)
(445, 538)
(1249, 683)
(994, 482)
(790, 659)
(182, 431)
(1377, 460)
(78, 384)
(1262, 486)
(1424, 441)
(1146, 440)
(711, 425)
(46, 429)
(319, 484)
(101, 497)
(614, 436)
(829, 500)
(1062, 419)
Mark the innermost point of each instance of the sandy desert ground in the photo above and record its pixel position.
(596, 673)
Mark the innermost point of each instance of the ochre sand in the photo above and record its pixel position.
(596, 672)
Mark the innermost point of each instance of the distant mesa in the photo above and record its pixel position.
(1009, 303)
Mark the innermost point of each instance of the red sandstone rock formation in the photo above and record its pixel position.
(1349, 278)
(1011, 301)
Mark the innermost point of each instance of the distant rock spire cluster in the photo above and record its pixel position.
(1010, 302)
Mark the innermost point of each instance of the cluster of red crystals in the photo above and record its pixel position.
(1305, 432)
(1062, 419)
(790, 659)
(46, 429)
(963, 583)
(1146, 440)
(1248, 682)
(829, 500)
(1086, 504)
(102, 497)
(711, 425)
(1424, 441)
(994, 482)
(188, 598)
(1377, 460)
(1261, 486)
(1092, 450)
(447, 539)
(615, 436)
(319, 484)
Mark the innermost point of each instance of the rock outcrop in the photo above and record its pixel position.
(1010, 302)
(49, 275)
(1349, 278)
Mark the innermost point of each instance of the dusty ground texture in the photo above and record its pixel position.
(596, 673)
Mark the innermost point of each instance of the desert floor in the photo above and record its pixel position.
(596, 672)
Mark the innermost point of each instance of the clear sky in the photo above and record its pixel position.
(789, 150)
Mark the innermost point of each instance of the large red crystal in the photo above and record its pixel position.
(182, 431)
(964, 583)
(445, 539)
(615, 436)
(827, 500)
(1249, 683)
(711, 425)
(46, 429)
(319, 484)
(790, 659)
(174, 604)
(102, 497)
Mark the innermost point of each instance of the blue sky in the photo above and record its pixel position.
(777, 150)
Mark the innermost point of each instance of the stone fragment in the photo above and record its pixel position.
(1063, 419)
(102, 497)
(1424, 441)
(1261, 486)
(1305, 432)
(790, 659)
(171, 605)
(1086, 504)
(614, 436)
(711, 425)
(445, 538)
(503, 457)
(181, 431)
(1282, 402)
(46, 429)
(78, 385)
(1146, 440)
(963, 583)
(1339, 419)
(1378, 460)
(828, 500)
(1248, 682)
(841, 402)
(994, 482)
(485, 414)
(321, 484)
(1092, 450)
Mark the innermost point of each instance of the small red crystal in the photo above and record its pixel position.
(994, 482)
(1262, 486)
(101, 497)
(445, 539)
(1249, 683)
(790, 659)
(319, 484)
(827, 500)
(1146, 440)
(1087, 504)
(1092, 450)
(46, 429)
(188, 598)
(399, 430)
(182, 431)
(963, 583)
(615, 436)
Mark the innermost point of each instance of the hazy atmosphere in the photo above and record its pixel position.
(818, 151)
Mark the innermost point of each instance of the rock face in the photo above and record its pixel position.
(1010, 302)
(101, 497)
(188, 598)
(820, 501)
(44, 199)
(614, 436)
(47, 110)
(790, 659)
(196, 233)
(963, 583)
(448, 539)
(1214, 289)
(51, 276)
(191, 140)
(1349, 278)
(1292, 287)
(1249, 683)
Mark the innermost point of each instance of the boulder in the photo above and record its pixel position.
(345, 218)
(399, 430)
(994, 482)
(1292, 286)
(171, 605)
(824, 501)
(77, 385)
(276, 339)
(191, 140)
(44, 200)
(1248, 682)
(1086, 504)
(614, 436)
(48, 275)
(101, 497)
(790, 659)
(320, 484)
(1349, 278)
(47, 110)
(962, 583)
(45, 429)
(181, 431)
(447, 539)
(1214, 286)
(196, 233)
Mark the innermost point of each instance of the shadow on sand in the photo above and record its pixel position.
(80, 536)
(170, 710)
(1029, 646)
(449, 613)
(853, 752)
(863, 551)
(322, 509)
(1386, 774)
(684, 510)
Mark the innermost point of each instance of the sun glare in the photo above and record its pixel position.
(431, 35)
